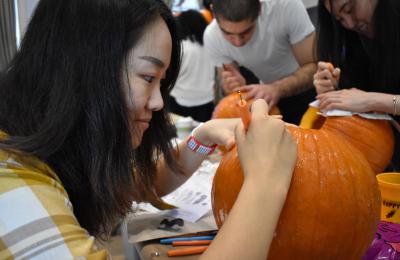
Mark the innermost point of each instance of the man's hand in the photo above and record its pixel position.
(269, 92)
(231, 78)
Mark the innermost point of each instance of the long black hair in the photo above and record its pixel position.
(374, 69)
(192, 25)
(207, 4)
(62, 101)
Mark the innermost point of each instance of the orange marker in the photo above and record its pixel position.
(187, 251)
(192, 243)
(330, 67)
(244, 111)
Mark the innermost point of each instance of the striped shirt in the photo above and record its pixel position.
(36, 216)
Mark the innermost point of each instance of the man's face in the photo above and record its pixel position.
(237, 33)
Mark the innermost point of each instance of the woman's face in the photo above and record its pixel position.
(356, 15)
(146, 65)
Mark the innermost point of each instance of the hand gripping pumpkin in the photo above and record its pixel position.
(229, 107)
(333, 205)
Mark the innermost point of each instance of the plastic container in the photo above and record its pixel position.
(389, 184)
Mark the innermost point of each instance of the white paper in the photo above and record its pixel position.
(193, 198)
(338, 112)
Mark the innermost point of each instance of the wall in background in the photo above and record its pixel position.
(24, 9)
(310, 3)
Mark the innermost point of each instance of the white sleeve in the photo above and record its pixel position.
(214, 45)
(185, 60)
(297, 21)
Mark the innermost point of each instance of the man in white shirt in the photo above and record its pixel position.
(273, 39)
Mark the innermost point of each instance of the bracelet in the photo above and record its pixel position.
(394, 100)
(194, 145)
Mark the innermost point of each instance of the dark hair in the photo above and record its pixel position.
(62, 100)
(379, 67)
(236, 10)
(207, 4)
(191, 26)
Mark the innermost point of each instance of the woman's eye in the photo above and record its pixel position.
(347, 8)
(147, 78)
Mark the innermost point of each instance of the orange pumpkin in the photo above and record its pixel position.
(333, 204)
(227, 107)
(372, 137)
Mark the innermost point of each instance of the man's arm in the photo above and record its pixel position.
(302, 78)
(291, 85)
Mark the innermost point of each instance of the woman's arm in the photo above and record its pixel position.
(267, 153)
(218, 131)
(356, 100)
(326, 78)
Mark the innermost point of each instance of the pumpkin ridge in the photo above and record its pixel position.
(357, 189)
(333, 158)
(336, 157)
(318, 215)
(354, 193)
(355, 152)
(312, 145)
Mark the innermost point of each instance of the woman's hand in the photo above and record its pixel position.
(353, 100)
(327, 77)
(267, 155)
(267, 149)
(217, 131)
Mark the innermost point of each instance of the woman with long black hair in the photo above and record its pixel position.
(84, 132)
(361, 38)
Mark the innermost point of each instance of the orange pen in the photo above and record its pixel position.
(192, 243)
(331, 68)
(187, 251)
(244, 111)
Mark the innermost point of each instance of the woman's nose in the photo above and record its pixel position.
(155, 102)
(348, 21)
